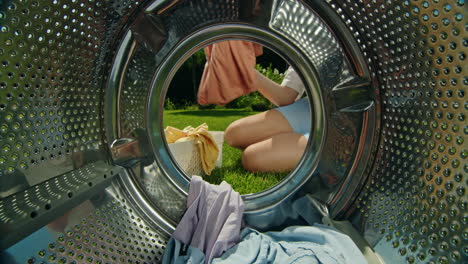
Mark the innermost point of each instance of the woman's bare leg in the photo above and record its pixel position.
(252, 129)
(278, 153)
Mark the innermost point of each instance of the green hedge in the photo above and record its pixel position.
(256, 101)
(270, 73)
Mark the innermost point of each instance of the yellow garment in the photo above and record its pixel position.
(204, 141)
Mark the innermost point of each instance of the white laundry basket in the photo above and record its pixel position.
(188, 157)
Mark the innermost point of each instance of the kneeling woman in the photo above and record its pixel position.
(274, 141)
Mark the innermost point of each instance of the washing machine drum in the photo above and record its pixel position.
(85, 173)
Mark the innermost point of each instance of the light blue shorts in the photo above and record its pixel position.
(298, 116)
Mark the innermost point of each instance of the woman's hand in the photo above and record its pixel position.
(277, 94)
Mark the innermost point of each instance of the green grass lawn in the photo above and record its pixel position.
(232, 171)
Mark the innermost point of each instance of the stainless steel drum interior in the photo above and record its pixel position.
(82, 84)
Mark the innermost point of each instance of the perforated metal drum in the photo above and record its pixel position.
(82, 85)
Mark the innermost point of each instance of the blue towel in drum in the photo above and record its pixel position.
(296, 244)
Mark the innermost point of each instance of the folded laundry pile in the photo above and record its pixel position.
(210, 232)
(203, 140)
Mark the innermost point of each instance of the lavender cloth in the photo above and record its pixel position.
(213, 219)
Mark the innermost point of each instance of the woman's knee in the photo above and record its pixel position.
(280, 153)
(251, 160)
(233, 135)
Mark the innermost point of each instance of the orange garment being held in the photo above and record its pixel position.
(229, 71)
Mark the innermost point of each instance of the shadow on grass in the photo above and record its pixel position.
(219, 113)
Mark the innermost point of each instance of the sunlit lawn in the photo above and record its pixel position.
(232, 171)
